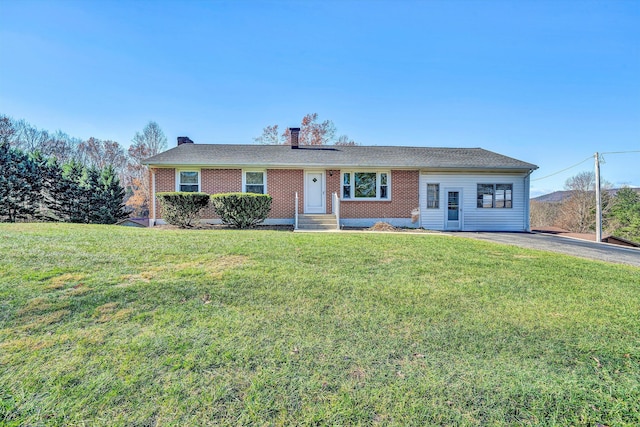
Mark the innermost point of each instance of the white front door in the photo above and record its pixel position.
(453, 213)
(314, 192)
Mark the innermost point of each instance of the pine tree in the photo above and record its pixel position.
(43, 211)
(73, 195)
(53, 189)
(93, 205)
(20, 184)
(625, 214)
(112, 207)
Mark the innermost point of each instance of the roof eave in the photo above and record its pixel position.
(340, 166)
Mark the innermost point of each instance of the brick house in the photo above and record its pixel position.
(434, 188)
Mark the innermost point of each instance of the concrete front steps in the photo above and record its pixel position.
(317, 222)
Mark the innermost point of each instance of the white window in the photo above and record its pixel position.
(495, 195)
(433, 196)
(254, 182)
(188, 180)
(357, 185)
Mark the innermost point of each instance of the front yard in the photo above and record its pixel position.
(105, 325)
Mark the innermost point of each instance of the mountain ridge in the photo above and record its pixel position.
(561, 195)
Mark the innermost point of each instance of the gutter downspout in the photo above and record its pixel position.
(527, 204)
(152, 222)
(295, 219)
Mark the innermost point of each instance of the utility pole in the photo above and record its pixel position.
(598, 202)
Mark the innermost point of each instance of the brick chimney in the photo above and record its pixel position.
(294, 137)
(184, 140)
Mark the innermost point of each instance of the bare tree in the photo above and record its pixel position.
(312, 132)
(97, 153)
(61, 146)
(152, 138)
(6, 130)
(345, 140)
(28, 138)
(271, 136)
(544, 214)
(578, 212)
(146, 144)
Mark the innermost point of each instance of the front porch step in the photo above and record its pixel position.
(317, 222)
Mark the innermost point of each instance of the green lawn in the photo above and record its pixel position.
(105, 325)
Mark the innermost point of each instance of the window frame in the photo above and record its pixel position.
(436, 199)
(264, 180)
(179, 183)
(352, 177)
(494, 191)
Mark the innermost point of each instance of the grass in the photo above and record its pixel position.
(104, 325)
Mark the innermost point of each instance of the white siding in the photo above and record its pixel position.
(474, 218)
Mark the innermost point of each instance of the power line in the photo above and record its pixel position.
(563, 170)
(597, 177)
(621, 152)
(581, 162)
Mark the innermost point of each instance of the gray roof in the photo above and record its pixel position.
(283, 156)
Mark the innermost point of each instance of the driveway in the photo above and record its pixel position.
(565, 245)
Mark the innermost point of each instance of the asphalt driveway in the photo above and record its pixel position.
(565, 245)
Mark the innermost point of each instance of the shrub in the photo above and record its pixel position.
(241, 210)
(182, 208)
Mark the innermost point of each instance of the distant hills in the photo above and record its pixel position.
(556, 196)
(559, 196)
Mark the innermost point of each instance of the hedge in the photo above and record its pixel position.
(182, 208)
(241, 210)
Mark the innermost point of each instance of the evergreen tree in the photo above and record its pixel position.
(38, 187)
(85, 195)
(53, 191)
(112, 206)
(93, 196)
(20, 184)
(103, 196)
(625, 214)
(43, 211)
(73, 196)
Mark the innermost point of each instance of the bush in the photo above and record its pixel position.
(182, 208)
(241, 210)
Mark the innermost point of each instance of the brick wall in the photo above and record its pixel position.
(333, 186)
(282, 185)
(214, 181)
(404, 198)
(211, 181)
(165, 181)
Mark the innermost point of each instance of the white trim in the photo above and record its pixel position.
(352, 179)
(333, 166)
(307, 192)
(368, 222)
(153, 197)
(460, 226)
(527, 204)
(426, 195)
(335, 208)
(198, 170)
(264, 179)
(493, 199)
(295, 218)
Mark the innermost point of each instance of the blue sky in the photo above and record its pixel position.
(548, 82)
